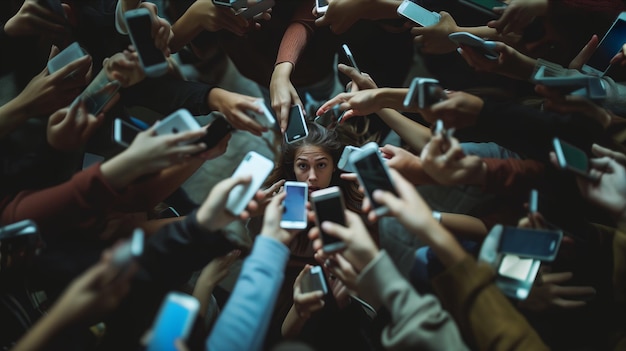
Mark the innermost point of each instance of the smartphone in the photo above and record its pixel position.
(484, 6)
(174, 321)
(331, 118)
(217, 130)
(533, 202)
(178, 122)
(572, 158)
(265, 118)
(424, 92)
(314, 281)
(70, 54)
(344, 160)
(516, 275)
(321, 6)
(611, 44)
(296, 126)
(531, 243)
(348, 53)
(124, 133)
(418, 14)
(255, 165)
(225, 3)
(251, 11)
(329, 206)
(484, 47)
(139, 24)
(98, 93)
(129, 251)
(589, 86)
(294, 215)
(20, 243)
(373, 174)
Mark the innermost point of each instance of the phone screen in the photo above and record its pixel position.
(611, 44)
(174, 321)
(515, 267)
(330, 209)
(218, 129)
(433, 93)
(575, 157)
(529, 242)
(373, 175)
(141, 28)
(129, 132)
(295, 204)
(322, 3)
(296, 129)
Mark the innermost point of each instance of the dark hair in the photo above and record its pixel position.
(331, 142)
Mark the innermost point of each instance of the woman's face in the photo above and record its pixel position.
(313, 166)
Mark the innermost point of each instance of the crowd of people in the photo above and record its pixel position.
(413, 279)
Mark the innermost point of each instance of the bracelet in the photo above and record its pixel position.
(437, 216)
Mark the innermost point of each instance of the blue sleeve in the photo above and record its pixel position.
(246, 316)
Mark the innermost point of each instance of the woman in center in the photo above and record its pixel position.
(313, 160)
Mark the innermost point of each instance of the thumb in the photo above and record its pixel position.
(322, 21)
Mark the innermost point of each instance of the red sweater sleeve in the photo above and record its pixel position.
(77, 203)
(512, 175)
(297, 35)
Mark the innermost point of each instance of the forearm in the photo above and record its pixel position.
(381, 9)
(292, 325)
(12, 115)
(185, 29)
(43, 333)
(202, 291)
(392, 98)
(443, 244)
(491, 34)
(464, 226)
(413, 133)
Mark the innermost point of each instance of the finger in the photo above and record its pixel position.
(246, 123)
(568, 304)
(574, 291)
(82, 62)
(332, 102)
(187, 136)
(557, 278)
(322, 21)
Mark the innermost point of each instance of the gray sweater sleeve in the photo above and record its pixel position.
(417, 321)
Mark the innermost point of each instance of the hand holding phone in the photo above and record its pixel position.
(180, 121)
(424, 92)
(328, 205)
(486, 48)
(573, 159)
(321, 6)
(174, 321)
(612, 42)
(255, 165)
(296, 125)
(314, 280)
(139, 24)
(418, 14)
(217, 130)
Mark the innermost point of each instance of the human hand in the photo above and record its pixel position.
(35, 19)
(235, 109)
(283, 94)
(94, 294)
(406, 163)
(360, 103)
(585, 54)
(358, 80)
(445, 161)
(214, 18)
(215, 271)
(265, 196)
(459, 110)
(518, 15)
(563, 103)
(271, 220)
(161, 28)
(510, 62)
(360, 247)
(212, 214)
(124, 67)
(306, 303)
(434, 39)
(549, 292)
(610, 191)
(70, 128)
(620, 57)
(337, 266)
(46, 92)
(342, 14)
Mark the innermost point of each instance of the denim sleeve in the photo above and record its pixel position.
(246, 317)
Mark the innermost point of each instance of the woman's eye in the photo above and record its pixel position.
(301, 166)
(321, 165)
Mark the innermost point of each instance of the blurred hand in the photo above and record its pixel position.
(358, 80)
(342, 14)
(518, 15)
(406, 163)
(458, 111)
(549, 292)
(70, 128)
(35, 19)
(306, 303)
(360, 247)
(212, 214)
(124, 67)
(360, 103)
(620, 57)
(216, 271)
(336, 266)
(271, 221)
(510, 63)
(161, 28)
(235, 109)
(214, 18)
(583, 56)
(449, 165)
(266, 196)
(434, 39)
(563, 103)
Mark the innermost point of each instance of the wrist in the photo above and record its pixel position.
(117, 174)
(215, 98)
(365, 258)
(385, 98)
(283, 70)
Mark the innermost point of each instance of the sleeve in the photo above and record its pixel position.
(297, 34)
(77, 203)
(484, 316)
(417, 321)
(120, 24)
(246, 317)
(512, 175)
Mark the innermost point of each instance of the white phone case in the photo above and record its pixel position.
(70, 54)
(266, 119)
(178, 122)
(255, 165)
(418, 14)
(287, 223)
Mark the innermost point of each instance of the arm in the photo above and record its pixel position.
(417, 321)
